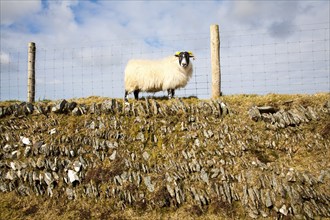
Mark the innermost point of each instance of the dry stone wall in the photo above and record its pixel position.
(159, 154)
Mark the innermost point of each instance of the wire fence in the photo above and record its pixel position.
(251, 63)
(257, 63)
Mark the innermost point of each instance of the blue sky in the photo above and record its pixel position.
(155, 25)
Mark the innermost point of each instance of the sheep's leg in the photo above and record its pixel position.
(170, 93)
(136, 94)
(125, 98)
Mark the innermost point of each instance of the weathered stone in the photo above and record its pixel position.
(145, 155)
(291, 176)
(48, 178)
(77, 166)
(108, 106)
(113, 155)
(208, 133)
(40, 163)
(2, 111)
(59, 106)
(25, 140)
(71, 105)
(268, 200)
(322, 175)
(118, 180)
(149, 185)
(155, 106)
(269, 118)
(177, 195)
(23, 190)
(28, 108)
(76, 111)
(15, 166)
(200, 160)
(266, 109)
(73, 177)
(27, 151)
(283, 210)
(140, 136)
(10, 175)
(204, 176)
(7, 148)
(254, 113)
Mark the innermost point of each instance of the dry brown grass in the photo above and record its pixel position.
(13, 206)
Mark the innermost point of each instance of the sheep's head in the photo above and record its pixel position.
(184, 58)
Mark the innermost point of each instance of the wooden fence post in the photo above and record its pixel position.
(215, 61)
(31, 72)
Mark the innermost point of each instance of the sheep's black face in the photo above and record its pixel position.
(183, 58)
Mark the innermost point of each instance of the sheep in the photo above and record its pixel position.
(170, 73)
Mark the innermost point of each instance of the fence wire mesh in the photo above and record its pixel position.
(251, 63)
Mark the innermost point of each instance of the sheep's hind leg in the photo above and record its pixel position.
(125, 97)
(136, 94)
(170, 93)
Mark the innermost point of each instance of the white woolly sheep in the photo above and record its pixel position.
(170, 73)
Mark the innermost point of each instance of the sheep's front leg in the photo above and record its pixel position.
(170, 93)
(136, 94)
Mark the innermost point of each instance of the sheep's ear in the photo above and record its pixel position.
(177, 54)
(191, 54)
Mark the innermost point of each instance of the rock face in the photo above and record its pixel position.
(166, 154)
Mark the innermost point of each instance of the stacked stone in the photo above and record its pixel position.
(150, 153)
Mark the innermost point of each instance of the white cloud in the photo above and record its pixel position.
(127, 29)
(14, 10)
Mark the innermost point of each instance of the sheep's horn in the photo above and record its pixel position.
(177, 53)
(191, 54)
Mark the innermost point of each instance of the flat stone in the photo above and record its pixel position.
(52, 131)
(266, 109)
(283, 210)
(147, 182)
(40, 163)
(77, 166)
(170, 190)
(113, 155)
(71, 105)
(73, 177)
(268, 200)
(254, 113)
(7, 148)
(48, 178)
(140, 136)
(291, 176)
(28, 108)
(14, 165)
(118, 180)
(145, 155)
(76, 111)
(27, 151)
(204, 176)
(177, 195)
(10, 175)
(59, 107)
(25, 140)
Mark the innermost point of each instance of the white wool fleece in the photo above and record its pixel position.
(156, 75)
